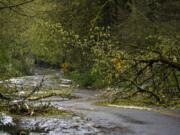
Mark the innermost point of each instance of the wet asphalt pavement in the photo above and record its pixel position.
(108, 120)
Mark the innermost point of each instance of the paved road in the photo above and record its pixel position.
(120, 121)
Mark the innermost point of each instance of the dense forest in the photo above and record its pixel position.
(132, 46)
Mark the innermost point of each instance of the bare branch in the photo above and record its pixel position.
(177, 81)
(141, 89)
(14, 6)
(4, 97)
(35, 90)
(43, 97)
(162, 59)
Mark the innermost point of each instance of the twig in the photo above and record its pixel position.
(14, 6)
(35, 89)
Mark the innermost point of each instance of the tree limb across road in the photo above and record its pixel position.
(6, 6)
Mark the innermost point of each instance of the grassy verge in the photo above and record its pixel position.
(128, 104)
(139, 101)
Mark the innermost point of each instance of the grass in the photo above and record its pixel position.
(122, 102)
(141, 100)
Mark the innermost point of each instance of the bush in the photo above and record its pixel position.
(86, 79)
(19, 68)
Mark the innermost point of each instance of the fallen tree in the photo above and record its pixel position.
(24, 101)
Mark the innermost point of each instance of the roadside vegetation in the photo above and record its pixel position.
(109, 99)
(129, 46)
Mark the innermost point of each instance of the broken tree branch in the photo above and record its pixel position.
(13, 6)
